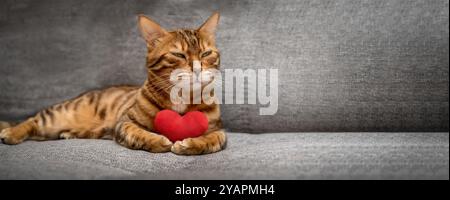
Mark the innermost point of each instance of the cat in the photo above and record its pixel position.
(126, 113)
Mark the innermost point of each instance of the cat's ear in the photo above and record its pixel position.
(150, 30)
(210, 26)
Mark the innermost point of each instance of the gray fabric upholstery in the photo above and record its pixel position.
(248, 156)
(343, 65)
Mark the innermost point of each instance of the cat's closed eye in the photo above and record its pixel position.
(179, 55)
(205, 54)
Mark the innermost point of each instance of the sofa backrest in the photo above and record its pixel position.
(342, 65)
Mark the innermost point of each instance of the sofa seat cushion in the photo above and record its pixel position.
(355, 155)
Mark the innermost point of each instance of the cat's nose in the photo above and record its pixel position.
(196, 66)
(197, 69)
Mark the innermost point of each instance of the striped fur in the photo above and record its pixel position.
(126, 113)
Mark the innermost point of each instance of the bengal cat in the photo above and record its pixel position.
(126, 113)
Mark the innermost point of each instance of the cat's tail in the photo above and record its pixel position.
(4, 124)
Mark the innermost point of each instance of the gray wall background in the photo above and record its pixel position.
(344, 65)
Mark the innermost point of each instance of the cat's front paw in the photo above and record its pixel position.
(184, 147)
(195, 146)
(159, 144)
(8, 137)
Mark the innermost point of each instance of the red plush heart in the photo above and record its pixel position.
(175, 127)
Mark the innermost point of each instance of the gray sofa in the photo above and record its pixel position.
(363, 87)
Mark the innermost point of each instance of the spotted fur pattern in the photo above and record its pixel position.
(126, 113)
